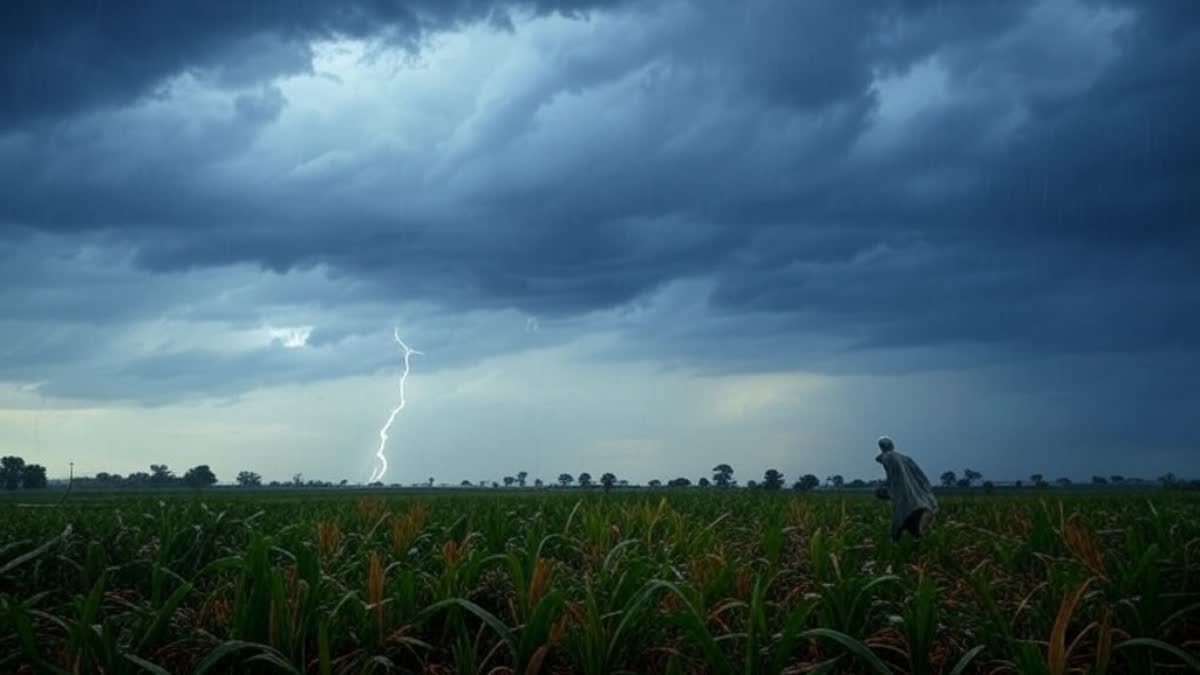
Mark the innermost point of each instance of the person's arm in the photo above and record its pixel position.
(882, 492)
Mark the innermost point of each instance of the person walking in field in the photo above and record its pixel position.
(913, 503)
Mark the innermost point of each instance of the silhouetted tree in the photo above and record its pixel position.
(537, 482)
(857, 483)
(1036, 479)
(679, 482)
(1065, 482)
(722, 475)
(585, 479)
(989, 487)
(772, 479)
(11, 468)
(971, 475)
(33, 477)
(608, 480)
(622, 483)
(655, 483)
(565, 479)
(752, 484)
(807, 482)
(298, 480)
(1117, 479)
(949, 479)
(521, 476)
(250, 479)
(1099, 480)
(836, 481)
(200, 477)
(1168, 479)
(160, 475)
(465, 483)
(509, 480)
(703, 482)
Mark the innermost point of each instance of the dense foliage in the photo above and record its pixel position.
(728, 581)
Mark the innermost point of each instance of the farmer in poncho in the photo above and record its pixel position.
(913, 503)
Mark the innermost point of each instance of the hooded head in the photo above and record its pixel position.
(886, 444)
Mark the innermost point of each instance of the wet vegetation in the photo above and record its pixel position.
(717, 581)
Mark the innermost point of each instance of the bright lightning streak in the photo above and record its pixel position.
(379, 471)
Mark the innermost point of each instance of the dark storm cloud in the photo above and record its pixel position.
(1044, 205)
(62, 56)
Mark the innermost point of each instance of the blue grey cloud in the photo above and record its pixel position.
(888, 187)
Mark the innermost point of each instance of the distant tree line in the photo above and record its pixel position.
(16, 474)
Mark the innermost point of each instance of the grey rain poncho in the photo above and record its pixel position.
(907, 487)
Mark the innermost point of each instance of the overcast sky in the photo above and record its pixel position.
(639, 237)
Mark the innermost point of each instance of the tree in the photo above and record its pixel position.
(772, 480)
(521, 476)
(971, 476)
(949, 479)
(11, 468)
(989, 487)
(807, 482)
(298, 480)
(752, 484)
(509, 480)
(585, 479)
(160, 475)
(608, 480)
(565, 479)
(1117, 479)
(1036, 479)
(857, 483)
(1064, 482)
(248, 479)
(703, 482)
(33, 477)
(1099, 480)
(1168, 479)
(622, 483)
(836, 481)
(465, 483)
(200, 477)
(723, 475)
(537, 482)
(655, 483)
(679, 482)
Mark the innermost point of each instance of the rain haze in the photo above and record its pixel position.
(637, 237)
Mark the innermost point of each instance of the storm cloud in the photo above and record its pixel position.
(991, 192)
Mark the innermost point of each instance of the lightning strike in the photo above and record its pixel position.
(379, 471)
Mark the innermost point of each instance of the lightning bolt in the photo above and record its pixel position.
(379, 471)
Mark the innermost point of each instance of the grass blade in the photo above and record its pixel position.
(855, 647)
(1178, 653)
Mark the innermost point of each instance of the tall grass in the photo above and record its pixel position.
(558, 582)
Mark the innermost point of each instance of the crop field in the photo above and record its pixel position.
(563, 581)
